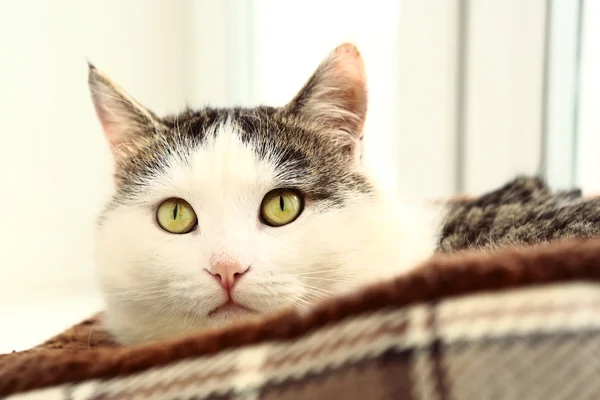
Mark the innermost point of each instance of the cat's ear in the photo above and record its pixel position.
(123, 119)
(335, 96)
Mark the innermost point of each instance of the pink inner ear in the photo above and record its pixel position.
(348, 64)
(347, 72)
(110, 132)
(111, 128)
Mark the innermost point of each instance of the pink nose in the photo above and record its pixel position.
(227, 272)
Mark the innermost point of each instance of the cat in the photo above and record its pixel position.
(225, 214)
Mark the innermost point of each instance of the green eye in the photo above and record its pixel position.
(280, 207)
(176, 216)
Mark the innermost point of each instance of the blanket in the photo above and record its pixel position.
(517, 321)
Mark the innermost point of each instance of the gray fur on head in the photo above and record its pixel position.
(315, 139)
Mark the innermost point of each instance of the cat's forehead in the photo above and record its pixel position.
(243, 147)
(221, 165)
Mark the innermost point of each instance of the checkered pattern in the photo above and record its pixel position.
(534, 343)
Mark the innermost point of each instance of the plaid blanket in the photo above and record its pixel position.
(517, 324)
(514, 323)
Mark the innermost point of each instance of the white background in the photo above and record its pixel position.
(456, 104)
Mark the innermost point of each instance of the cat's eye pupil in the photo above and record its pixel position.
(280, 207)
(176, 216)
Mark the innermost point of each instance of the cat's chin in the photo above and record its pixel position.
(231, 309)
(229, 313)
(129, 327)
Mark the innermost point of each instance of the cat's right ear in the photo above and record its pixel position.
(122, 118)
(336, 95)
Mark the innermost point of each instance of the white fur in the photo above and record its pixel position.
(156, 284)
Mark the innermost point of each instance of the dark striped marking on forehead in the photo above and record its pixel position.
(311, 158)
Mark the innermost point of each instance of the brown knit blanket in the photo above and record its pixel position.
(519, 322)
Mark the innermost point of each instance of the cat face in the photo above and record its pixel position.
(221, 214)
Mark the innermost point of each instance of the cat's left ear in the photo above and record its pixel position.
(123, 119)
(335, 97)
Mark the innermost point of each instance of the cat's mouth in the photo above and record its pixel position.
(231, 307)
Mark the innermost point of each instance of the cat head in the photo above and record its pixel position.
(224, 213)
